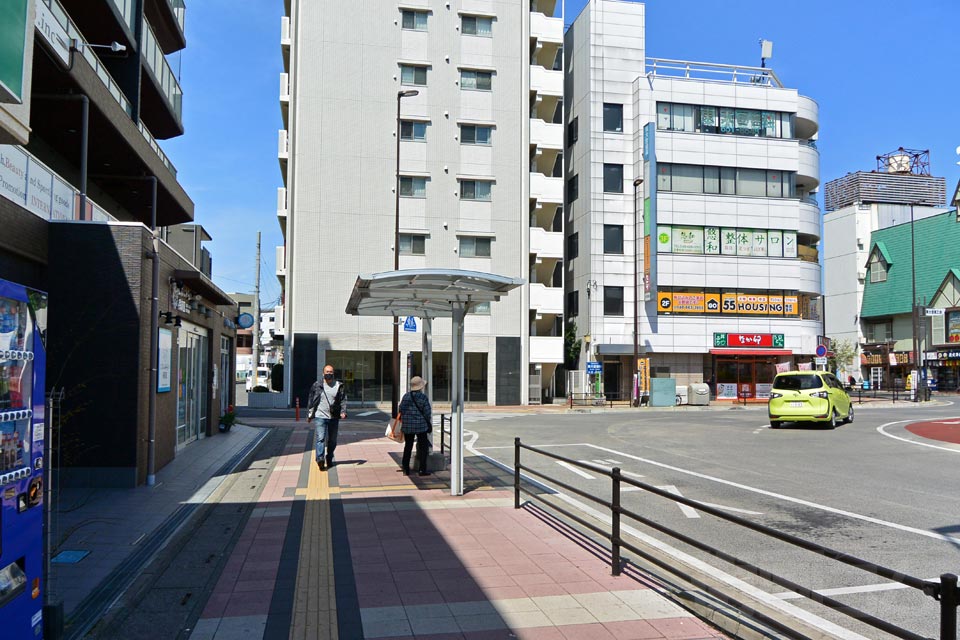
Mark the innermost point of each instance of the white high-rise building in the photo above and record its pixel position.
(480, 185)
(726, 208)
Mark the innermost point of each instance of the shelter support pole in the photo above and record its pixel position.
(426, 362)
(456, 405)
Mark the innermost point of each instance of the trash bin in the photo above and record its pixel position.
(698, 394)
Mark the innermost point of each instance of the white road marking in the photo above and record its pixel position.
(539, 446)
(579, 472)
(841, 591)
(606, 467)
(920, 444)
(733, 509)
(366, 413)
(785, 498)
(690, 512)
(947, 422)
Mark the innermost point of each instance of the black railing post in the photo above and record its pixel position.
(443, 435)
(516, 473)
(948, 606)
(615, 522)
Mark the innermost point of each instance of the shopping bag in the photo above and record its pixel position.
(393, 430)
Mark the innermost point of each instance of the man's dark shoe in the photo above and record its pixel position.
(329, 463)
(320, 463)
(405, 472)
(424, 473)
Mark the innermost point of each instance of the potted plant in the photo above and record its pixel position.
(227, 419)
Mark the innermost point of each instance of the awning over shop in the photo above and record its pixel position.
(203, 285)
(618, 349)
(751, 352)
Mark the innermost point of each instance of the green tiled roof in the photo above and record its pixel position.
(937, 251)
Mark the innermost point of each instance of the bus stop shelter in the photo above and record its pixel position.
(429, 294)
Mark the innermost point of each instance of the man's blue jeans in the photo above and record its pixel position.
(327, 437)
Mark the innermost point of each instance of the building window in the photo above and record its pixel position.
(879, 331)
(612, 178)
(573, 188)
(472, 247)
(688, 178)
(724, 120)
(415, 20)
(412, 245)
(613, 238)
(613, 117)
(475, 190)
(478, 80)
(613, 301)
(572, 131)
(477, 26)
(481, 309)
(878, 270)
(413, 75)
(573, 304)
(413, 130)
(573, 246)
(473, 134)
(413, 187)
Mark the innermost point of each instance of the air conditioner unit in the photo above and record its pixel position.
(862, 274)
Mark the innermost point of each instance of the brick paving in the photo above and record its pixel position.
(382, 555)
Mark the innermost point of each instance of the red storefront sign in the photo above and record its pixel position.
(750, 340)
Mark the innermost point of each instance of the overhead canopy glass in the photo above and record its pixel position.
(428, 294)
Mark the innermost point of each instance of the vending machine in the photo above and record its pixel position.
(22, 369)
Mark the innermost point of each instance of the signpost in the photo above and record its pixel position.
(410, 324)
(594, 368)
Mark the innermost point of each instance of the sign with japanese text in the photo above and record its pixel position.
(755, 340)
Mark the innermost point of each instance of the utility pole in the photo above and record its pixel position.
(256, 315)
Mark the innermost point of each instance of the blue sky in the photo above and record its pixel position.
(884, 74)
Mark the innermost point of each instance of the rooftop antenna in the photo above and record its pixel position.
(766, 52)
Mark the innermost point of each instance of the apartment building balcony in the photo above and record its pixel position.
(809, 218)
(281, 258)
(808, 117)
(546, 135)
(546, 82)
(546, 300)
(168, 20)
(546, 189)
(808, 172)
(285, 41)
(545, 28)
(546, 349)
(283, 150)
(546, 244)
(285, 97)
(161, 98)
(547, 216)
(282, 209)
(120, 147)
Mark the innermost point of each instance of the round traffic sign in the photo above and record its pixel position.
(821, 351)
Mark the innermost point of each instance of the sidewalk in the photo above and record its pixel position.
(111, 533)
(362, 551)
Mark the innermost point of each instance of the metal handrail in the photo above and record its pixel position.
(713, 71)
(946, 591)
(449, 420)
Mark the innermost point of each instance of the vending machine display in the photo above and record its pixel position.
(22, 369)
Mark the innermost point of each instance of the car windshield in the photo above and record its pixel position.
(797, 383)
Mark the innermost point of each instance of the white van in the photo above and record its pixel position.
(262, 378)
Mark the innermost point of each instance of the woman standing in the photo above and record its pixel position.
(415, 424)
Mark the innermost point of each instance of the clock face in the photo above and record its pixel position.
(245, 321)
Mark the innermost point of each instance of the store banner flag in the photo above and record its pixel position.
(805, 366)
(783, 367)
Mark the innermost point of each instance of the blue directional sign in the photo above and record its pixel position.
(594, 368)
(410, 324)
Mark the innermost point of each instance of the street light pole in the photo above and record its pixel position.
(913, 310)
(636, 293)
(395, 388)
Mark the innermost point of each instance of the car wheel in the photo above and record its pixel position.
(833, 419)
(849, 418)
(775, 424)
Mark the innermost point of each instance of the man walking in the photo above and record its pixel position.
(327, 402)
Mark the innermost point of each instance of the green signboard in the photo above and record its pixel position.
(13, 38)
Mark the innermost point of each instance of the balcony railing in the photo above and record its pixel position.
(61, 16)
(180, 12)
(126, 9)
(34, 186)
(156, 148)
(285, 31)
(716, 72)
(157, 63)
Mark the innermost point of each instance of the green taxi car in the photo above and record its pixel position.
(809, 396)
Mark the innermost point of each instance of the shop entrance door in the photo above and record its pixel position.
(611, 380)
(191, 387)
